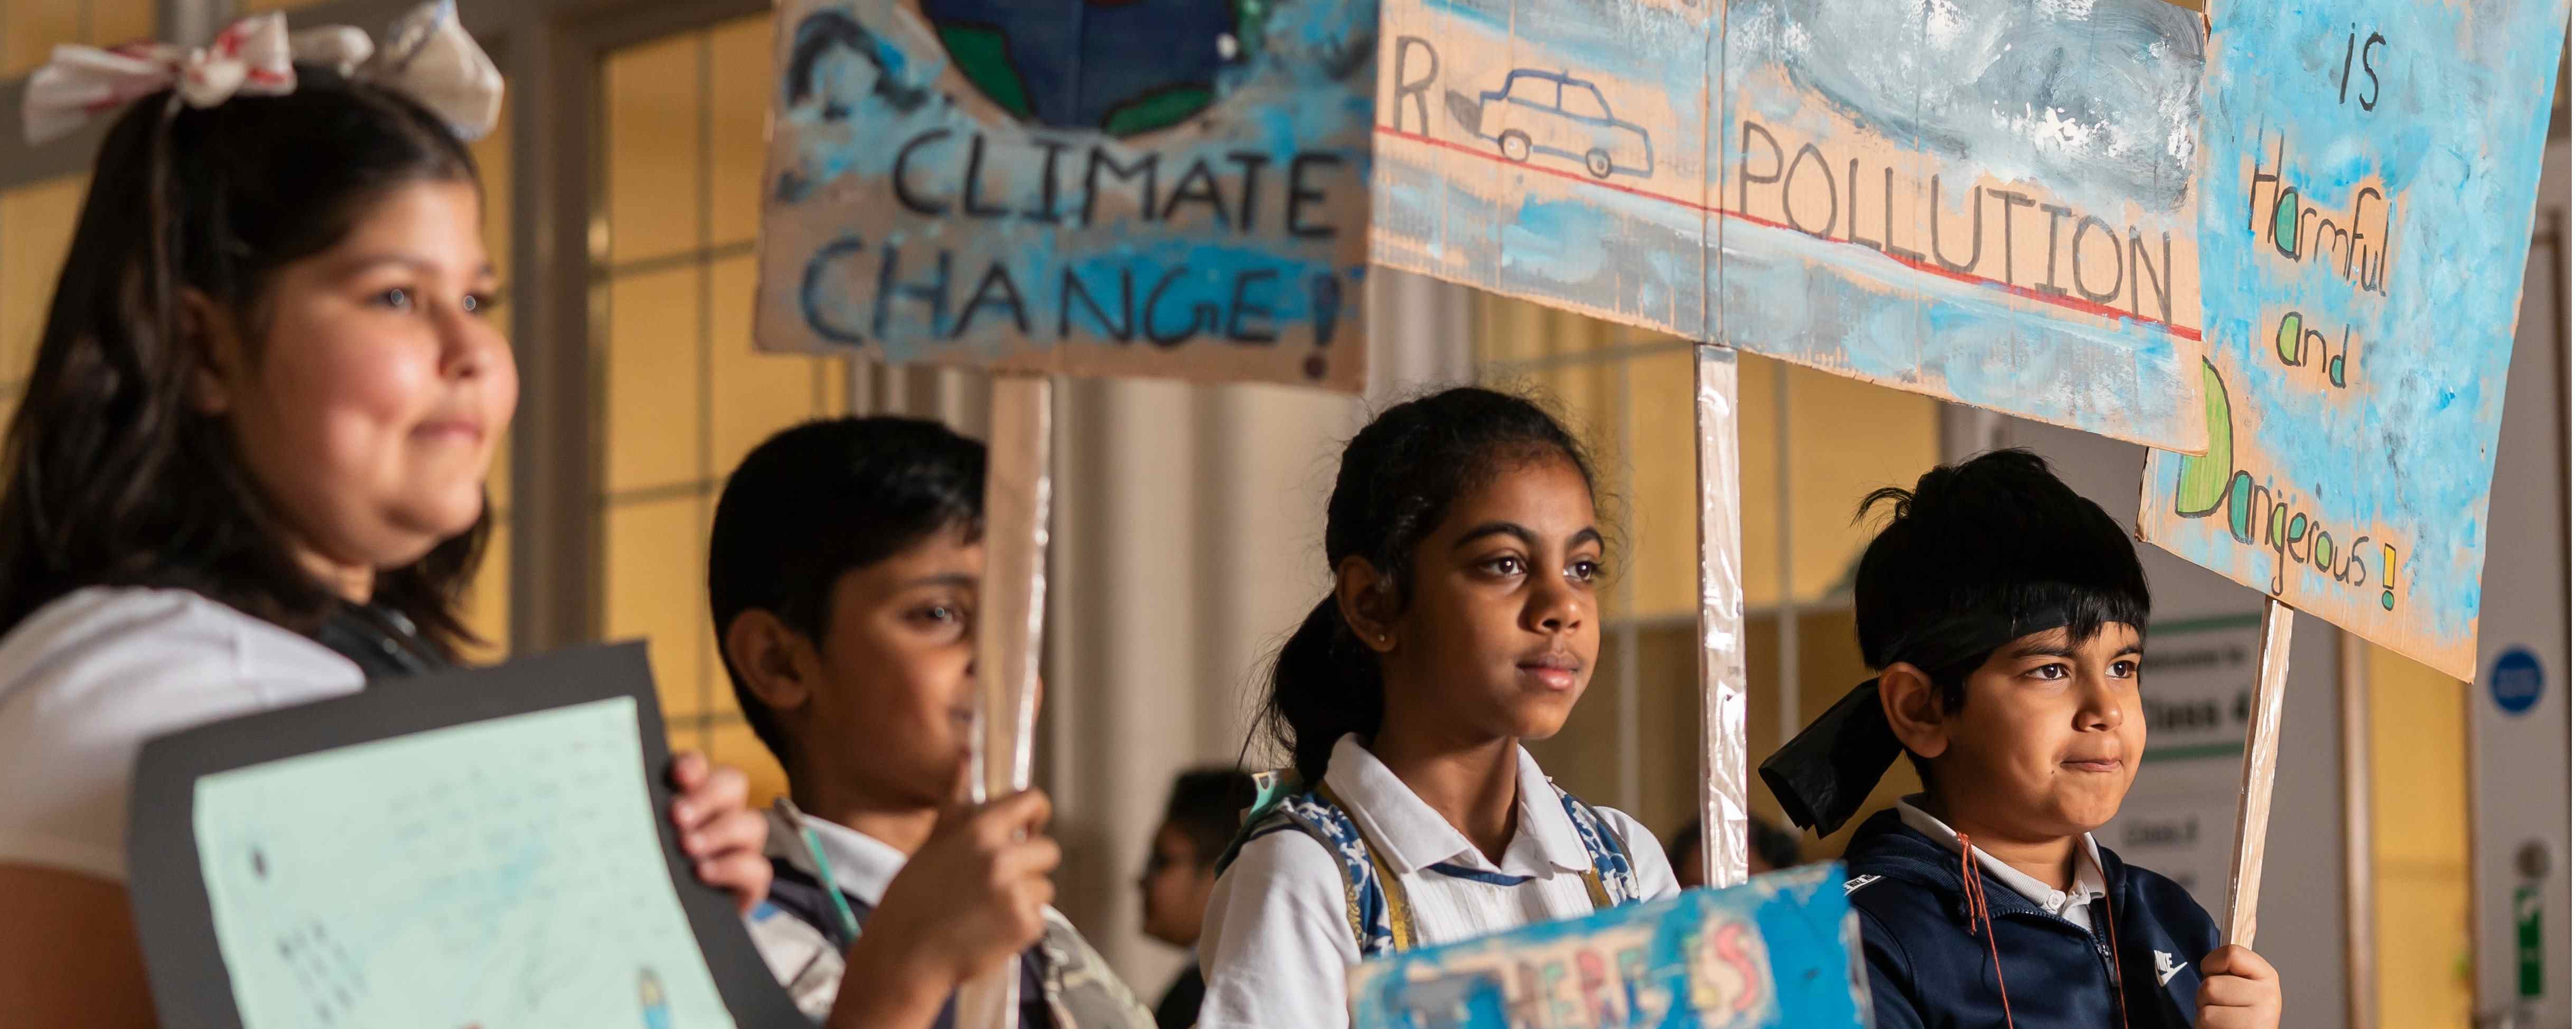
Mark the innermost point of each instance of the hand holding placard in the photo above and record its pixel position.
(718, 829)
(972, 897)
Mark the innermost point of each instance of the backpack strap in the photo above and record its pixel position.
(1270, 789)
(1612, 880)
(1381, 918)
(1395, 909)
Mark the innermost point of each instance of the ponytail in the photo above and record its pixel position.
(1397, 480)
(1324, 686)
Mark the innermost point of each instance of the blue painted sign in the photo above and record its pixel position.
(1780, 951)
(2516, 680)
(1172, 188)
(1914, 196)
(2368, 174)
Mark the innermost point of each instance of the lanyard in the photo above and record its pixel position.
(822, 867)
(382, 642)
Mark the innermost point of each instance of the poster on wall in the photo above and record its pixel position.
(2180, 815)
(1170, 188)
(2370, 171)
(1915, 197)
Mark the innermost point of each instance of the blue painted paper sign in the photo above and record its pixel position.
(1549, 149)
(2369, 174)
(1172, 188)
(1919, 196)
(1933, 197)
(1780, 951)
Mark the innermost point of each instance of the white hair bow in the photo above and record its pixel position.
(428, 56)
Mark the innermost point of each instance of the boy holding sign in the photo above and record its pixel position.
(843, 576)
(2003, 612)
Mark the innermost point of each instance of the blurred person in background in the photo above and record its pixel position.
(1773, 850)
(1206, 807)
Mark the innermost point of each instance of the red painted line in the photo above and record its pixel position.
(2065, 300)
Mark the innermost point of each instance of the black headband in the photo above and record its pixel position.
(1824, 775)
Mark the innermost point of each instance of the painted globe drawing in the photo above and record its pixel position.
(1123, 67)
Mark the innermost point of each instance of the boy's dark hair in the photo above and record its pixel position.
(1207, 807)
(1774, 845)
(1397, 480)
(823, 499)
(1999, 539)
(113, 477)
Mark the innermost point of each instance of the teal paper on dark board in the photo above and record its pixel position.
(1781, 951)
(2369, 169)
(478, 847)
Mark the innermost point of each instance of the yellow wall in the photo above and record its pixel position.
(2419, 806)
(35, 231)
(682, 393)
(29, 29)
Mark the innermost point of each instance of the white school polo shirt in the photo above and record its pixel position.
(89, 677)
(862, 865)
(1277, 941)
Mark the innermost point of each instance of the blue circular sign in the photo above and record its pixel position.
(2515, 680)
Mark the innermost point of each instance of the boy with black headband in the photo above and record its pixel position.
(2003, 612)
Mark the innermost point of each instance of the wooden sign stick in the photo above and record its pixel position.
(1010, 620)
(2262, 753)
(1725, 844)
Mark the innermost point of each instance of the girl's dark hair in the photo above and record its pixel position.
(113, 477)
(1397, 480)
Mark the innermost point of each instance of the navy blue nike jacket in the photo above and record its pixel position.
(1928, 963)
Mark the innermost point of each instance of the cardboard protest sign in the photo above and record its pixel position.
(1781, 950)
(1157, 188)
(1925, 198)
(1989, 201)
(1549, 149)
(2370, 174)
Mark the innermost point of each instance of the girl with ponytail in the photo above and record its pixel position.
(1464, 619)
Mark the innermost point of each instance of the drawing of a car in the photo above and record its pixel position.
(1551, 113)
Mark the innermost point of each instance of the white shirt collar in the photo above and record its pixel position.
(2088, 885)
(862, 865)
(1411, 836)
